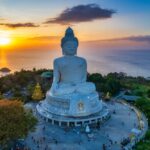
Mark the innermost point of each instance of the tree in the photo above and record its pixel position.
(139, 93)
(95, 77)
(144, 105)
(144, 145)
(98, 80)
(37, 93)
(15, 121)
(116, 75)
(112, 85)
(147, 135)
(1, 95)
(148, 93)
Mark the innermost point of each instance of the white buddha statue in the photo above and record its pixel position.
(70, 71)
(70, 93)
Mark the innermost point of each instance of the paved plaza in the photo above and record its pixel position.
(111, 133)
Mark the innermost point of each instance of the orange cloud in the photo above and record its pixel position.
(19, 25)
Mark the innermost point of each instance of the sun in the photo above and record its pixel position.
(5, 37)
(4, 40)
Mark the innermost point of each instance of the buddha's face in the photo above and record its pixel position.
(70, 48)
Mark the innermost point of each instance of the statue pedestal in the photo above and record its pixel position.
(73, 109)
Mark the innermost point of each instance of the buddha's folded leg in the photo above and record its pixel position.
(64, 89)
(86, 88)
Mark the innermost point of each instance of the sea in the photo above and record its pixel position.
(133, 62)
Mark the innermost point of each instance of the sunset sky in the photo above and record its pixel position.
(28, 27)
(44, 22)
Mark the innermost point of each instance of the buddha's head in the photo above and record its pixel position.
(69, 43)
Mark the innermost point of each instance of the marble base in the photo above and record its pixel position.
(75, 104)
(75, 108)
(100, 117)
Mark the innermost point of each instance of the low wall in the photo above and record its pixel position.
(141, 117)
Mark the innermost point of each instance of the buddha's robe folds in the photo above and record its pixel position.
(70, 73)
(68, 88)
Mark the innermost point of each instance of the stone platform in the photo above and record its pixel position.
(72, 105)
(111, 133)
(61, 120)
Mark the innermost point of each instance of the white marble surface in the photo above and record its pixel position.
(73, 104)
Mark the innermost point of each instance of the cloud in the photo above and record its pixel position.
(82, 13)
(131, 42)
(145, 38)
(45, 38)
(140, 38)
(19, 25)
